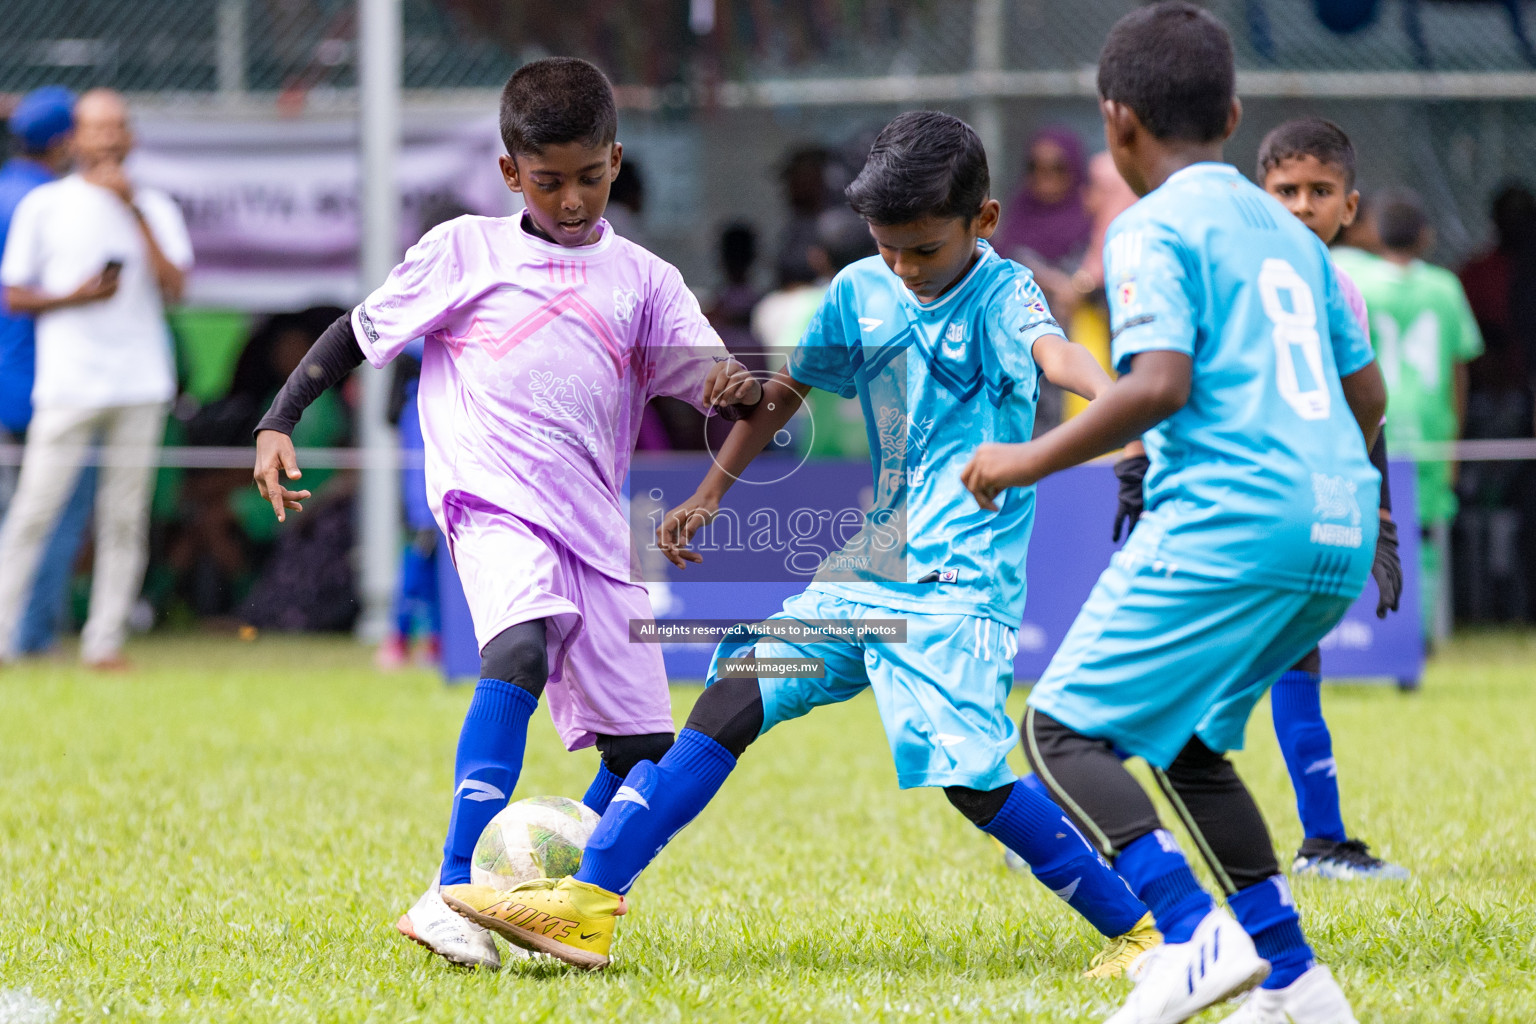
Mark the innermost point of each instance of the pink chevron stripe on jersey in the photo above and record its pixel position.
(567, 301)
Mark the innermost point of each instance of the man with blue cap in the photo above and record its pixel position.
(41, 125)
(95, 258)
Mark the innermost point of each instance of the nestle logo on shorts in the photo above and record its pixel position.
(772, 668)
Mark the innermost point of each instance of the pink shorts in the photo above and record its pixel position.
(513, 572)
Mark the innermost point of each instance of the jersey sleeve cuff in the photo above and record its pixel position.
(827, 382)
(367, 336)
(1349, 369)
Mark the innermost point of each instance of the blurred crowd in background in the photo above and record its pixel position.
(1459, 367)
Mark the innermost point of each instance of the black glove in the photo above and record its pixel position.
(1130, 471)
(1387, 570)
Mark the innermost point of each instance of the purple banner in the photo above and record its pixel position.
(1069, 548)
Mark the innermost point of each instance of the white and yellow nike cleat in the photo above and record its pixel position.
(1116, 958)
(566, 919)
(432, 924)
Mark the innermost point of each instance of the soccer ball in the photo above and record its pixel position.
(540, 837)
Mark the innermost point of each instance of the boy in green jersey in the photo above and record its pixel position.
(1424, 334)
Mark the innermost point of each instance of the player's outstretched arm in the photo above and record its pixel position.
(1156, 387)
(1366, 394)
(781, 397)
(1070, 366)
(328, 360)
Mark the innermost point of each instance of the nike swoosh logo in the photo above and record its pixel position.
(1068, 892)
(589, 938)
(869, 323)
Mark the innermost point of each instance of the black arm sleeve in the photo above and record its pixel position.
(1379, 460)
(328, 360)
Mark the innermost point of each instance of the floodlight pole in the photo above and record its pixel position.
(378, 494)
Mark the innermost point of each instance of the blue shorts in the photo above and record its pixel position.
(942, 695)
(1158, 657)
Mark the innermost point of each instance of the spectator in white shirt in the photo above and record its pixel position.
(94, 259)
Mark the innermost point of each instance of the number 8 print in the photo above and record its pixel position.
(1290, 307)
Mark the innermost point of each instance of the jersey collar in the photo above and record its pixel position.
(943, 301)
(576, 252)
(1196, 170)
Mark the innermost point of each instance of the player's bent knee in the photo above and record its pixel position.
(730, 712)
(979, 805)
(622, 753)
(518, 655)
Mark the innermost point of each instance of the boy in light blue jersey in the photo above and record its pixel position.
(944, 344)
(1255, 393)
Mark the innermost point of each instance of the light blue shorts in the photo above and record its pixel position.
(1156, 658)
(942, 695)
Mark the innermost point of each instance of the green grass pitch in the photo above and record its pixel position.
(229, 833)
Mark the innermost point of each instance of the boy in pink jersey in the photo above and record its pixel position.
(545, 336)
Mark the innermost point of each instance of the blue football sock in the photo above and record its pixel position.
(604, 785)
(1267, 912)
(1156, 870)
(652, 806)
(1033, 827)
(485, 771)
(1296, 701)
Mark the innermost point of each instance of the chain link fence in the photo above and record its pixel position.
(718, 94)
(203, 48)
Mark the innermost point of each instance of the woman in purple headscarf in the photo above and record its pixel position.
(1045, 226)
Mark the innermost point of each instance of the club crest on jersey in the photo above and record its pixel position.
(1126, 293)
(624, 302)
(953, 345)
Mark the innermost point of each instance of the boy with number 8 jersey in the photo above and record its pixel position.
(1257, 397)
(1309, 166)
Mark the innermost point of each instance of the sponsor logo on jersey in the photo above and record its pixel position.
(949, 739)
(1335, 511)
(949, 575)
(624, 302)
